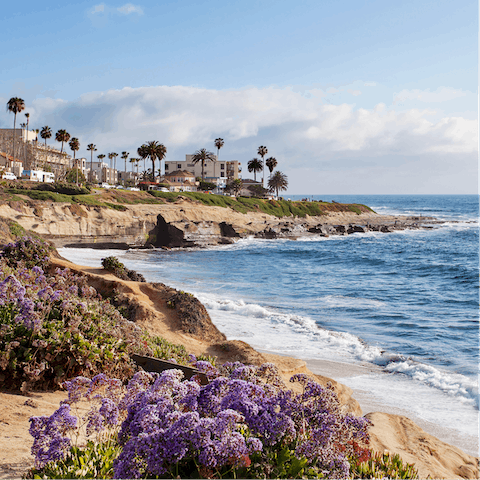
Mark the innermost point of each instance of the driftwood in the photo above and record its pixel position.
(151, 364)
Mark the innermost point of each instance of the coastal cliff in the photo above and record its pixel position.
(185, 223)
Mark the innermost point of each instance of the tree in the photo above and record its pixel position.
(278, 181)
(235, 186)
(46, 133)
(75, 146)
(219, 144)
(262, 151)
(271, 163)
(91, 148)
(62, 136)
(206, 186)
(15, 105)
(257, 190)
(28, 119)
(203, 156)
(142, 153)
(254, 165)
(75, 175)
(125, 157)
(154, 150)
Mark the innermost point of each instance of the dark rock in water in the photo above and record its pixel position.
(356, 229)
(227, 230)
(267, 233)
(166, 235)
(340, 229)
(225, 241)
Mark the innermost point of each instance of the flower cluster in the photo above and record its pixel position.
(243, 422)
(54, 326)
(27, 251)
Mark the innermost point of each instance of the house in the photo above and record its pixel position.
(180, 181)
(100, 172)
(219, 169)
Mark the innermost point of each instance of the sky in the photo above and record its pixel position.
(350, 96)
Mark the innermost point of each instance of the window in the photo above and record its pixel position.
(222, 174)
(166, 166)
(222, 166)
(179, 165)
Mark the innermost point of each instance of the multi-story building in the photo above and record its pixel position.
(32, 154)
(228, 170)
(181, 181)
(101, 173)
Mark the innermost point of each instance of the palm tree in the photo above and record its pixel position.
(278, 181)
(254, 165)
(125, 158)
(91, 148)
(235, 186)
(262, 151)
(62, 136)
(46, 133)
(271, 163)
(219, 144)
(75, 146)
(15, 105)
(142, 153)
(155, 151)
(28, 120)
(203, 156)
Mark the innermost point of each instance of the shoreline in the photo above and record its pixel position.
(394, 433)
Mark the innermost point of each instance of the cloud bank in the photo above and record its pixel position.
(299, 128)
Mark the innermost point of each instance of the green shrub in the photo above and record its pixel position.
(383, 465)
(112, 264)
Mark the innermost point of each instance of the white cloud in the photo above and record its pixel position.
(297, 130)
(129, 8)
(441, 94)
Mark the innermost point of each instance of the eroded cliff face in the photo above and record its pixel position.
(182, 224)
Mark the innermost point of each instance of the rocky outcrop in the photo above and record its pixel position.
(183, 224)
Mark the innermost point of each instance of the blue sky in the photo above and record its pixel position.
(349, 96)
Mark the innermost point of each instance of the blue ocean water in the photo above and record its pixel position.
(404, 302)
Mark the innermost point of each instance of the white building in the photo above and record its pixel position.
(211, 170)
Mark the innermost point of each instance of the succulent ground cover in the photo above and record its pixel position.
(112, 264)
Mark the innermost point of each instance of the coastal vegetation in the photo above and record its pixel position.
(118, 199)
(58, 331)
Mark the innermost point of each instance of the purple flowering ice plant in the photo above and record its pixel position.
(244, 422)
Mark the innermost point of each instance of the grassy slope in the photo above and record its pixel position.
(117, 199)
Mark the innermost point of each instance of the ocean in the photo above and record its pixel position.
(401, 309)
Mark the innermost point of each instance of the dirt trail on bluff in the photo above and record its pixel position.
(197, 333)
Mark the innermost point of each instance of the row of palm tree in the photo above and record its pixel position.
(153, 150)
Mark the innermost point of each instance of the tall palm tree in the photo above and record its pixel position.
(142, 153)
(28, 121)
(74, 147)
(46, 133)
(113, 156)
(278, 181)
(203, 156)
(154, 150)
(262, 151)
(15, 105)
(219, 144)
(254, 165)
(271, 163)
(101, 157)
(91, 148)
(24, 126)
(62, 136)
(125, 158)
